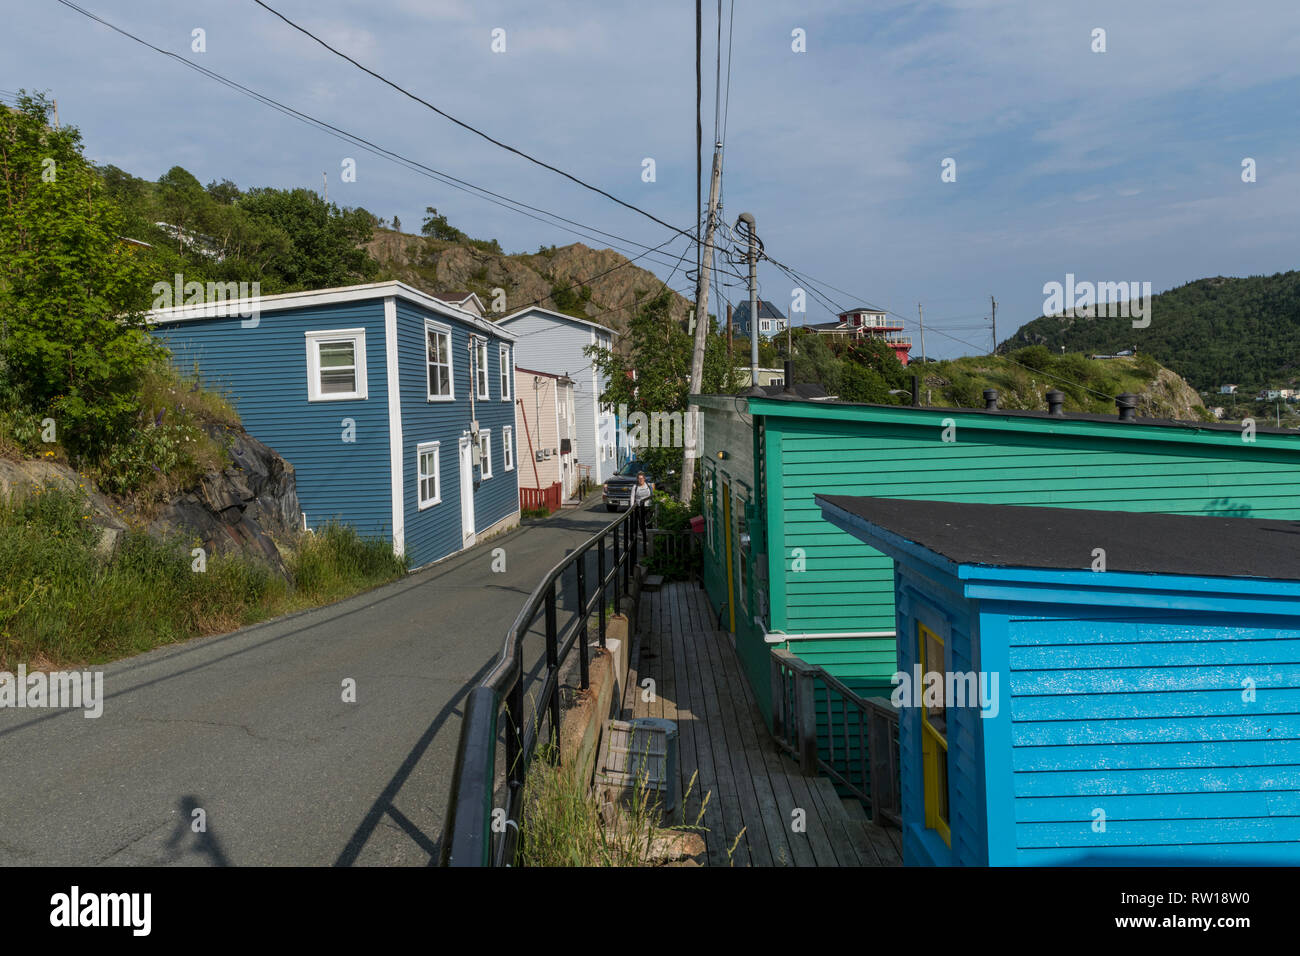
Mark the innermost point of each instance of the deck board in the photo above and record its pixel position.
(753, 788)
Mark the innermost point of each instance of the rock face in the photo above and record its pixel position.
(434, 266)
(243, 509)
(239, 510)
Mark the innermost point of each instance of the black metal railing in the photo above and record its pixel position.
(829, 728)
(495, 708)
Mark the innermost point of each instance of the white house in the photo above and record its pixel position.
(553, 342)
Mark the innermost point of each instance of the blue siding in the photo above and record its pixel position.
(263, 371)
(436, 531)
(1142, 717)
(952, 618)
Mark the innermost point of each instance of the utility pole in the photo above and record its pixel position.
(995, 324)
(701, 331)
(748, 220)
(326, 179)
(728, 332)
(921, 316)
(56, 114)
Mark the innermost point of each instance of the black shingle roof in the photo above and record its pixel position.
(766, 310)
(1064, 538)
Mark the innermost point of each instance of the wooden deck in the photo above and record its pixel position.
(753, 789)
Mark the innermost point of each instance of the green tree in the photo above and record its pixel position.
(71, 292)
(326, 243)
(436, 226)
(659, 350)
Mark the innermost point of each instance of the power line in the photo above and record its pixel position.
(447, 179)
(467, 126)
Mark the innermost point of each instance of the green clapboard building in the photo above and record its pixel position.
(779, 575)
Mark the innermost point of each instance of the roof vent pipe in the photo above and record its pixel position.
(789, 377)
(916, 391)
(990, 398)
(1056, 402)
(1127, 404)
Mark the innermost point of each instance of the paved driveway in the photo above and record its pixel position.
(251, 728)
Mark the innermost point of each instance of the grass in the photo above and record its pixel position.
(63, 602)
(564, 824)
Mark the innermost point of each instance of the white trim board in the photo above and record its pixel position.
(306, 300)
(395, 455)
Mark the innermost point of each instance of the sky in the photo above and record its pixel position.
(1122, 165)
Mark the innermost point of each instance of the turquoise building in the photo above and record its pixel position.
(1110, 688)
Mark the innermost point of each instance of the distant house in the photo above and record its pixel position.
(770, 319)
(467, 301)
(395, 409)
(1268, 395)
(1218, 411)
(1090, 718)
(868, 323)
(555, 342)
(1227, 389)
(547, 433)
(766, 376)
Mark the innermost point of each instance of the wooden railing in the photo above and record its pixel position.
(828, 728)
(550, 498)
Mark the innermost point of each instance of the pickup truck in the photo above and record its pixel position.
(618, 489)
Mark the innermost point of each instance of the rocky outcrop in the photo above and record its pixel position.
(242, 509)
(434, 266)
(248, 508)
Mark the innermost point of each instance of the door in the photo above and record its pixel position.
(466, 492)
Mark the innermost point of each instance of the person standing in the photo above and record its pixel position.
(641, 502)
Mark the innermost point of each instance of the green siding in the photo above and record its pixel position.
(899, 452)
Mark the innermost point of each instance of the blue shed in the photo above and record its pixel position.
(396, 409)
(1118, 688)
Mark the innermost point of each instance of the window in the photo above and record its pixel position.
(508, 447)
(437, 350)
(336, 365)
(934, 734)
(485, 449)
(504, 353)
(481, 367)
(429, 471)
(765, 325)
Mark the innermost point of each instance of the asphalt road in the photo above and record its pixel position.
(251, 728)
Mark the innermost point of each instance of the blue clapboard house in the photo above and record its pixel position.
(1117, 688)
(396, 409)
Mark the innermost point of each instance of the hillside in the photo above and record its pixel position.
(1211, 332)
(1024, 378)
(551, 277)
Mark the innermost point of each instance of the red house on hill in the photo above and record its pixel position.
(869, 324)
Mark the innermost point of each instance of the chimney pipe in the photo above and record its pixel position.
(990, 398)
(916, 391)
(1127, 404)
(789, 377)
(1056, 402)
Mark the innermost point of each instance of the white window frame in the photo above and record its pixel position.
(507, 373)
(439, 329)
(485, 453)
(765, 325)
(508, 448)
(314, 340)
(421, 450)
(481, 369)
